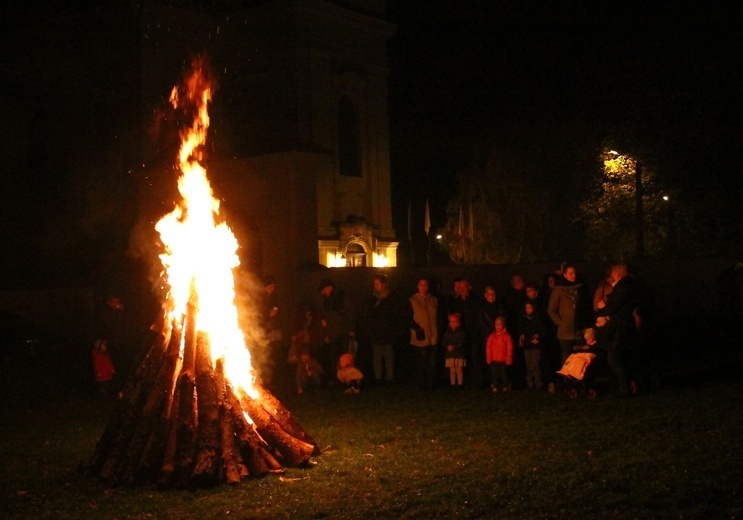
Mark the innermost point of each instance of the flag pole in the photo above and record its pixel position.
(410, 234)
(427, 229)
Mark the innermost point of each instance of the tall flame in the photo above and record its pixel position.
(201, 251)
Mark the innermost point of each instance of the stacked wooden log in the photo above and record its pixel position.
(179, 422)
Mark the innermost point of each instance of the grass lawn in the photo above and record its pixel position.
(394, 452)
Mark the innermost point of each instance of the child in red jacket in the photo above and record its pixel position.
(499, 355)
(103, 367)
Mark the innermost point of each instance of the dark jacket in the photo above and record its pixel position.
(531, 327)
(621, 330)
(468, 309)
(333, 311)
(455, 338)
(487, 313)
(387, 319)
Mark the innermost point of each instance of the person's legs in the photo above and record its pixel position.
(504, 376)
(476, 363)
(421, 365)
(497, 376)
(430, 366)
(537, 368)
(377, 360)
(616, 364)
(389, 362)
(529, 374)
(460, 375)
(533, 359)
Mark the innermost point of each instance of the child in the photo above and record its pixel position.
(103, 367)
(591, 344)
(532, 330)
(348, 374)
(499, 355)
(579, 366)
(453, 340)
(309, 373)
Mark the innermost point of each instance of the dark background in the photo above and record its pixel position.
(548, 80)
(556, 80)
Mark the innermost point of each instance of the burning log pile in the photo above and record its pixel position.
(193, 414)
(179, 421)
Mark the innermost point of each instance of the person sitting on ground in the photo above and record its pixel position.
(349, 376)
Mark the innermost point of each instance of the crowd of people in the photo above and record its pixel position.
(525, 336)
(519, 339)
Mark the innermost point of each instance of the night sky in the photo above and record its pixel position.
(558, 71)
(556, 76)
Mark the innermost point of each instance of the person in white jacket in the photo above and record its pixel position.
(424, 336)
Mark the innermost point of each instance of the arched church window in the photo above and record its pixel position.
(349, 149)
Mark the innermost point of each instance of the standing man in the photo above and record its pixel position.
(424, 335)
(617, 321)
(337, 325)
(384, 319)
(467, 305)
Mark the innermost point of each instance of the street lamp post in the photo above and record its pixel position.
(639, 212)
(671, 225)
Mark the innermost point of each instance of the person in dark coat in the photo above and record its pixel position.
(530, 341)
(616, 321)
(490, 308)
(337, 324)
(386, 324)
(467, 305)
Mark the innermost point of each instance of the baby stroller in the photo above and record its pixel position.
(577, 374)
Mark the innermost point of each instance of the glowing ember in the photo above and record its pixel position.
(201, 251)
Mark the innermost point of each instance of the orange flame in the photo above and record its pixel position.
(200, 250)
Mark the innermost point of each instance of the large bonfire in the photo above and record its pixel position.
(193, 414)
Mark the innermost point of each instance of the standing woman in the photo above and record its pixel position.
(569, 310)
(424, 336)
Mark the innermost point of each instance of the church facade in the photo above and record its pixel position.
(297, 149)
(301, 139)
